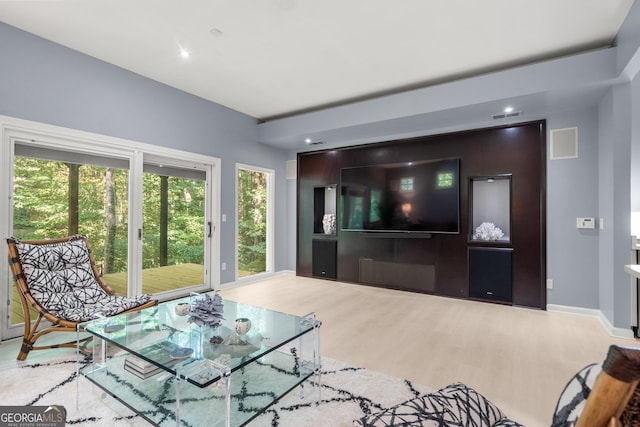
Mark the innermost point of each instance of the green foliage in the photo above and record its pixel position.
(41, 210)
(185, 226)
(31, 218)
(252, 221)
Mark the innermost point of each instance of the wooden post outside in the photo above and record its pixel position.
(74, 178)
(164, 219)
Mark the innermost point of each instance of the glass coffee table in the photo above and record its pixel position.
(172, 372)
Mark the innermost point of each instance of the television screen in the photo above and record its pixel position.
(420, 196)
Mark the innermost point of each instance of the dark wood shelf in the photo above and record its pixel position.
(514, 152)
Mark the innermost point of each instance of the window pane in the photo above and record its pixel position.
(173, 230)
(445, 180)
(406, 184)
(252, 222)
(58, 199)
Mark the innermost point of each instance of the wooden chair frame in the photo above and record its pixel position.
(31, 333)
(613, 389)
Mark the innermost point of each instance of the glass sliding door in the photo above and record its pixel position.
(174, 228)
(150, 213)
(58, 194)
(254, 219)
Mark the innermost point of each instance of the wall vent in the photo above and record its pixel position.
(507, 115)
(564, 143)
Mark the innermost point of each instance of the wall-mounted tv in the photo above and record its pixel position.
(412, 197)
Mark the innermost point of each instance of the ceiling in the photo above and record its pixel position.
(276, 58)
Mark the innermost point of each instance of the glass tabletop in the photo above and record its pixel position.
(162, 337)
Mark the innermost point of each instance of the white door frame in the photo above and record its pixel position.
(55, 137)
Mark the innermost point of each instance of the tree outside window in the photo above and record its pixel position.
(252, 222)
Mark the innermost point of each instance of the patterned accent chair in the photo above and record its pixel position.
(58, 278)
(453, 405)
(604, 395)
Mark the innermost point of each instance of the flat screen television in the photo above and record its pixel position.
(412, 197)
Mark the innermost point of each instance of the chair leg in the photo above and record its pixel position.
(30, 336)
(26, 347)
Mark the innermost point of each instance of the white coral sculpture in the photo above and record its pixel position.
(488, 231)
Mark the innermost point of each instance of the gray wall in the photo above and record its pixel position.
(627, 39)
(605, 167)
(635, 145)
(615, 203)
(572, 191)
(587, 266)
(48, 83)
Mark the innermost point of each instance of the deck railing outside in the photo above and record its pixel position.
(155, 280)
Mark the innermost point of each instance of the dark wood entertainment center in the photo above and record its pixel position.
(502, 178)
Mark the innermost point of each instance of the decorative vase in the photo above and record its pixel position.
(329, 223)
(242, 326)
(182, 308)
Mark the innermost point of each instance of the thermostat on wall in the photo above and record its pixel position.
(586, 223)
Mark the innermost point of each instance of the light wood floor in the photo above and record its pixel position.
(519, 358)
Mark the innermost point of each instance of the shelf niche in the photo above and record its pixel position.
(324, 203)
(490, 203)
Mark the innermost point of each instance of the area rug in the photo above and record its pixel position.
(346, 393)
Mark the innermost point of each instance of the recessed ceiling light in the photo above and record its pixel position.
(307, 140)
(508, 110)
(184, 53)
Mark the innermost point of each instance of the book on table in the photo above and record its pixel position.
(159, 352)
(146, 373)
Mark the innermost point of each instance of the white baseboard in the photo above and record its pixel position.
(256, 278)
(593, 312)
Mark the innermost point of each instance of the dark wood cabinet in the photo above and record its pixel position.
(438, 264)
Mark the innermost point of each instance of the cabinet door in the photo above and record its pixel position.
(490, 273)
(324, 258)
